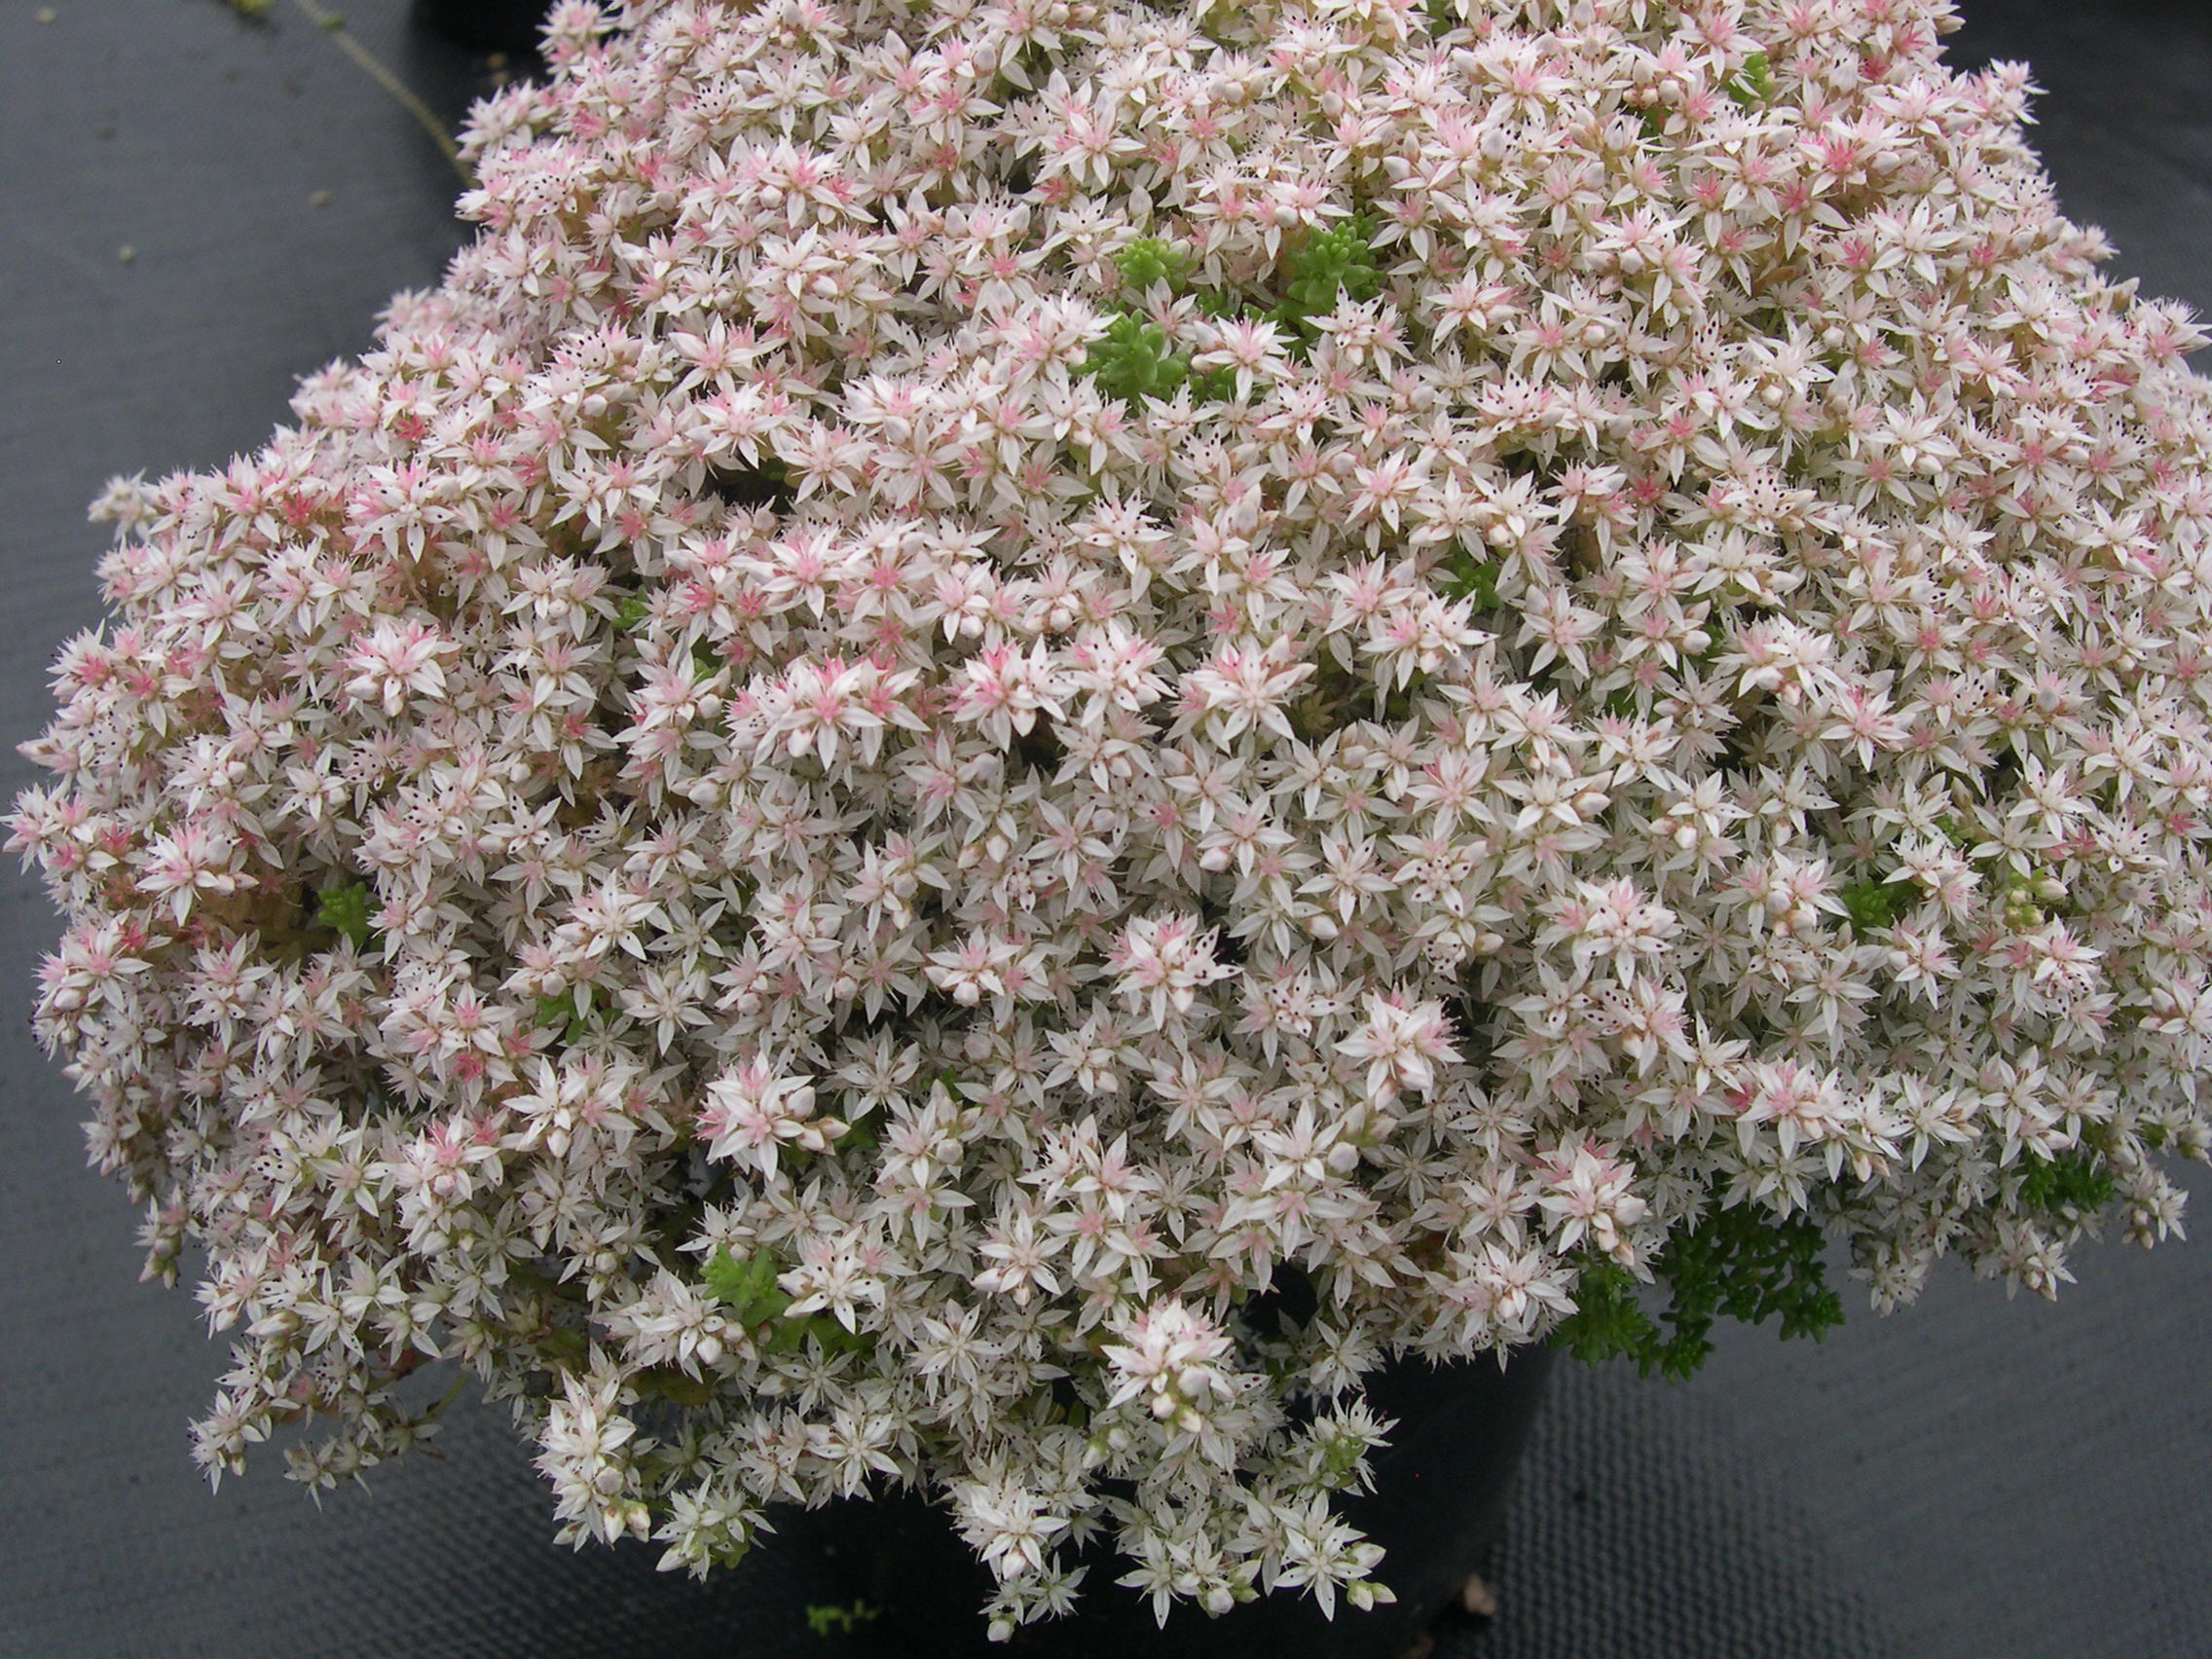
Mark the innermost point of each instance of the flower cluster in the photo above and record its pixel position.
(1021, 728)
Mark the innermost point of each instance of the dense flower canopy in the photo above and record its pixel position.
(1022, 728)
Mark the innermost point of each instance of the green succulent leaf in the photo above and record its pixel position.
(1469, 577)
(823, 1618)
(1742, 1262)
(748, 1286)
(1148, 260)
(1328, 267)
(681, 1387)
(1873, 904)
(345, 910)
(2077, 1182)
(1753, 84)
(1608, 1318)
(1132, 360)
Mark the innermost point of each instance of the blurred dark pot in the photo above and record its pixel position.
(1438, 1505)
(484, 25)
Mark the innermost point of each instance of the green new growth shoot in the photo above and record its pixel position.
(1133, 361)
(1468, 577)
(822, 1617)
(345, 910)
(1753, 84)
(749, 1289)
(1326, 269)
(1873, 904)
(2069, 1186)
(562, 1010)
(1742, 1263)
(1148, 260)
(748, 1286)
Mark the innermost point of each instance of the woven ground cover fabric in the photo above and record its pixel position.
(198, 210)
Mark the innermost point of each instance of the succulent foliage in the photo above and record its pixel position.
(996, 680)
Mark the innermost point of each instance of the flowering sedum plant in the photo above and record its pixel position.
(1023, 727)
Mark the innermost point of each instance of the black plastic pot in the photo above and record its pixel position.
(484, 25)
(1438, 1505)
